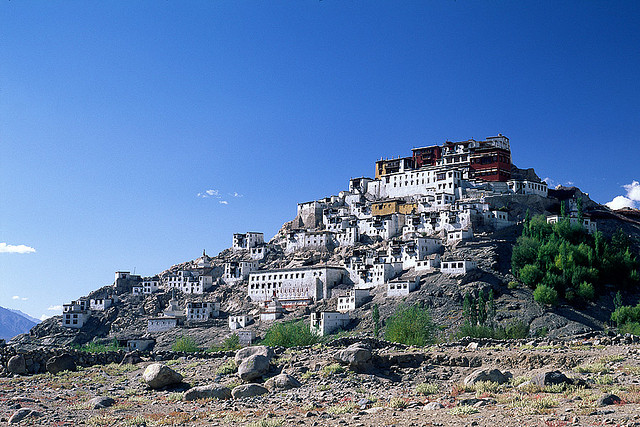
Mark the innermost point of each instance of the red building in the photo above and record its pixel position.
(426, 156)
(490, 163)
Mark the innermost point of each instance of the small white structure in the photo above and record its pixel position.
(271, 310)
(239, 321)
(150, 285)
(457, 267)
(497, 219)
(202, 311)
(528, 187)
(124, 279)
(137, 290)
(74, 319)
(247, 240)
(459, 235)
(100, 304)
(161, 324)
(431, 263)
(140, 344)
(326, 322)
(174, 310)
(258, 253)
(189, 282)
(236, 271)
(246, 337)
(400, 288)
(352, 300)
(589, 226)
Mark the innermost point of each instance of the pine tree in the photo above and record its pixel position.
(482, 308)
(491, 306)
(375, 315)
(617, 300)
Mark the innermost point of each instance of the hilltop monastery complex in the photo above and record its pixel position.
(416, 206)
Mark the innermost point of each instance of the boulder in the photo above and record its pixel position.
(253, 367)
(493, 375)
(212, 391)
(262, 350)
(357, 356)
(22, 414)
(550, 378)
(64, 362)
(100, 402)
(608, 399)
(433, 406)
(158, 376)
(131, 358)
(282, 382)
(248, 390)
(17, 365)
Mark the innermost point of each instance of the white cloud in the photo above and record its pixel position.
(235, 194)
(209, 193)
(55, 308)
(15, 249)
(223, 202)
(16, 297)
(631, 200)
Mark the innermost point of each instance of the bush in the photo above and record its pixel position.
(545, 295)
(185, 344)
(411, 325)
(531, 275)
(94, 347)
(289, 334)
(515, 330)
(626, 314)
(630, 328)
(228, 344)
(586, 291)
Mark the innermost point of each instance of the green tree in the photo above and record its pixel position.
(482, 308)
(545, 295)
(491, 306)
(375, 315)
(617, 300)
(411, 325)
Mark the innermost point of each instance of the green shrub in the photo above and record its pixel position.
(94, 347)
(228, 344)
(531, 275)
(545, 295)
(411, 325)
(185, 343)
(630, 328)
(514, 330)
(229, 367)
(289, 334)
(626, 314)
(586, 291)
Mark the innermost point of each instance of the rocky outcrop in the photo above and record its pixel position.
(493, 375)
(17, 365)
(64, 362)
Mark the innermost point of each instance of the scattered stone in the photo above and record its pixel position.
(158, 376)
(64, 362)
(253, 367)
(131, 358)
(550, 378)
(248, 390)
(101, 402)
(608, 399)
(17, 365)
(433, 406)
(493, 375)
(282, 382)
(22, 414)
(357, 356)
(214, 391)
(262, 350)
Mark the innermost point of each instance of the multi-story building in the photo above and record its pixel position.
(198, 311)
(352, 300)
(326, 322)
(247, 240)
(236, 271)
(189, 282)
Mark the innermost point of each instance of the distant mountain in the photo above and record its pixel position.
(12, 324)
(25, 315)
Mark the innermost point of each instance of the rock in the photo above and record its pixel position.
(248, 390)
(253, 367)
(262, 350)
(22, 414)
(101, 402)
(472, 346)
(64, 362)
(282, 382)
(214, 391)
(158, 375)
(608, 399)
(131, 358)
(433, 406)
(493, 375)
(550, 378)
(357, 356)
(17, 365)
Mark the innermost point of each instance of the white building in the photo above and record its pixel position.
(100, 304)
(457, 267)
(589, 226)
(174, 310)
(161, 324)
(247, 240)
(398, 288)
(246, 337)
(239, 321)
(352, 300)
(271, 310)
(295, 286)
(459, 235)
(189, 282)
(297, 240)
(74, 319)
(150, 285)
(431, 263)
(326, 322)
(528, 187)
(202, 311)
(236, 271)
(258, 253)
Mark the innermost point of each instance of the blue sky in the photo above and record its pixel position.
(114, 116)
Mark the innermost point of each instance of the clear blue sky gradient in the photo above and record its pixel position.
(115, 115)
